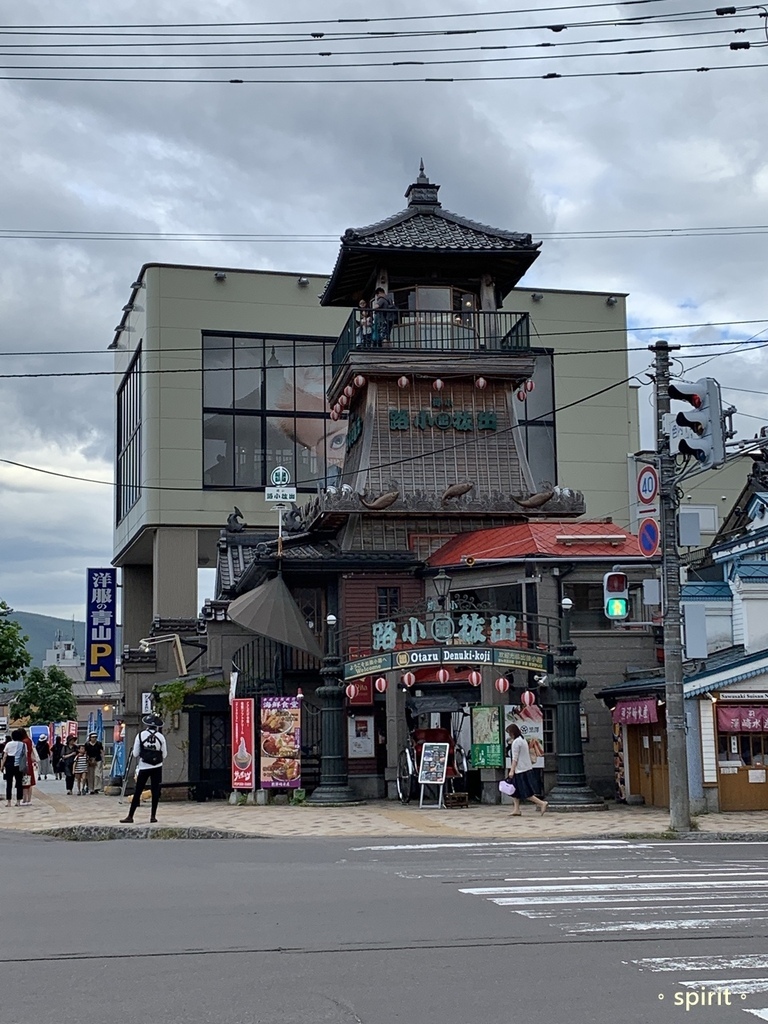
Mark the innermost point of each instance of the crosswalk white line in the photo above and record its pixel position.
(750, 961)
(762, 1014)
(616, 887)
(678, 924)
(736, 986)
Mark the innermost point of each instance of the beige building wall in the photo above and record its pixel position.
(589, 337)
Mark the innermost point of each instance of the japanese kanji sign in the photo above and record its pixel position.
(101, 624)
(742, 719)
(635, 712)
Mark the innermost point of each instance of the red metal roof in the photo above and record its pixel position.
(567, 540)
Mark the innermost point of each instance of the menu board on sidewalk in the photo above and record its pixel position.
(434, 764)
(280, 742)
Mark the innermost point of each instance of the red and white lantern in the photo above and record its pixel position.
(475, 679)
(337, 409)
(443, 675)
(408, 678)
(521, 395)
(381, 684)
(335, 415)
(502, 684)
(343, 400)
(359, 381)
(481, 383)
(349, 391)
(529, 386)
(351, 691)
(403, 382)
(438, 385)
(527, 697)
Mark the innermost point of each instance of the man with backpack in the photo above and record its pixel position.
(150, 750)
(384, 317)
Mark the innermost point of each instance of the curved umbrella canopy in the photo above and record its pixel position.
(270, 611)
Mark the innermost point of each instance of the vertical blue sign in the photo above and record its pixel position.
(101, 625)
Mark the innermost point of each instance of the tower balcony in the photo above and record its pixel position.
(433, 341)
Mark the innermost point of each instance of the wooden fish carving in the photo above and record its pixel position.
(535, 500)
(456, 491)
(383, 500)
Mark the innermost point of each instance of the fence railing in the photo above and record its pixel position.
(433, 330)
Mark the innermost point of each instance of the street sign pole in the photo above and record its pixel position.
(677, 755)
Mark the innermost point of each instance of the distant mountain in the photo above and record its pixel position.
(42, 631)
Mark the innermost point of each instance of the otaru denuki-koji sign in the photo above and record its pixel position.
(101, 623)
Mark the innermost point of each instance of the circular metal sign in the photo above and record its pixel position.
(442, 628)
(647, 485)
(648, 537)
(280, 477)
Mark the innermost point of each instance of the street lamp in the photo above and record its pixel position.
(571, 790)
(442, 583)
(334, 783)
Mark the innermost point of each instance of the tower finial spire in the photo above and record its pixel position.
(422, 179)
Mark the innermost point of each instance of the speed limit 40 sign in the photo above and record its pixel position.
(647, 485)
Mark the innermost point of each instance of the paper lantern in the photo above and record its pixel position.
(408, 678)
(351, 691)
(349, 391)
(475, 679)
(335, 415)
(359, 381)
(502, 684)
(443, 675)
(481, 383)
(403, 382)
(381, 685)
(438, 385)
(529, 385)
(527, 697)
(343, 400)
(337, 409)
(521, 395)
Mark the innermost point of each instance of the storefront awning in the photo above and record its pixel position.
(270, 611)
(742, 718)
(635, 712)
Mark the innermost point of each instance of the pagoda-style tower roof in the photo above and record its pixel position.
(426, 243)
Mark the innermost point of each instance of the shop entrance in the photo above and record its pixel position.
(741, 771)
(649, 771)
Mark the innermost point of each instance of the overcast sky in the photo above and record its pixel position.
(682, 150)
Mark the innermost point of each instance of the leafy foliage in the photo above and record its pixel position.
(168, 698)
(47, 697)
(14, 656)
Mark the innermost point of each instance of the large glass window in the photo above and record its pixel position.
(537, 422)
(264, 406)
(129, 439)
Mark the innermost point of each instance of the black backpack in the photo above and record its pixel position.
(150, 751)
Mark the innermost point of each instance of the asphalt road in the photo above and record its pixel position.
(374, 932)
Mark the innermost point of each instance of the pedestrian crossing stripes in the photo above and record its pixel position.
(729, 900)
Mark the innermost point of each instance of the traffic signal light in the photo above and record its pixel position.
(616, 595)
(704, 419)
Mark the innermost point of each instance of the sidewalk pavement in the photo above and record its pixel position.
(51, 809)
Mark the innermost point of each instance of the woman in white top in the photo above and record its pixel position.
(521, 772)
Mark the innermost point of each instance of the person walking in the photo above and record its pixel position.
(81, 770)
(150, 750)
(12, 773)
(67, 763)
(521, 773)
(29, 779)
(56, 751)
(43, 748)
(94, 750)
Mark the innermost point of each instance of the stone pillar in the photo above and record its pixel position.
(136, 603)
(174, 582)
(334, 784)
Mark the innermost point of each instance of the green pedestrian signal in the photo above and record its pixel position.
(616, 595)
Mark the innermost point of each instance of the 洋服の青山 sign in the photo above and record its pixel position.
(101, 625)
(742, 719)
(635, 712)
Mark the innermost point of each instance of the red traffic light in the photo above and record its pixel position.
(693, 394)
(615, 582)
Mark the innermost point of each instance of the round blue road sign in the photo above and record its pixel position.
(648, 538)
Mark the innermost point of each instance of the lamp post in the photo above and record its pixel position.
(442, 584)
(571, 791)
(334, 785)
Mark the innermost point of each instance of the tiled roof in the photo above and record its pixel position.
(707, 590)
(565, 540)
(431, 227)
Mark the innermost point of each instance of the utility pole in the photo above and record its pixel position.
(677, 756)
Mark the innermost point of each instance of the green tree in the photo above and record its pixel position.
(47, 697)
(14, 656)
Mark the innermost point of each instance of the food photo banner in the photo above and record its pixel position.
(243, 744)
(280, 742)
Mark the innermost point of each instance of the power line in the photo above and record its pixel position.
(320, 480)
(319, 339)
